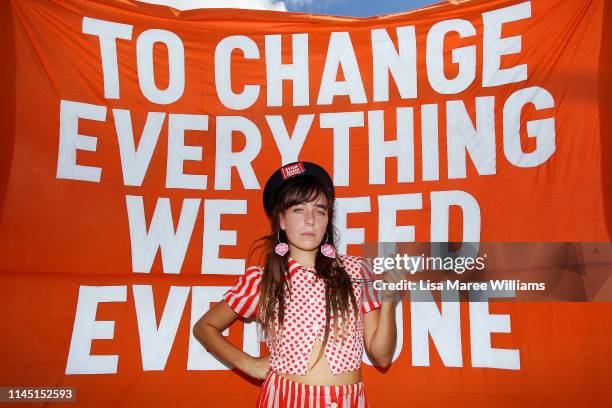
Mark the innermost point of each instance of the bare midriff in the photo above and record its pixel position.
(319, 372)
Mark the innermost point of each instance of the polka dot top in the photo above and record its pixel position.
(305, 316)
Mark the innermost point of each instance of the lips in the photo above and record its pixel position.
(308, 234)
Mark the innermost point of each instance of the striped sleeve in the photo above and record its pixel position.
(243, 297)
(369, 296)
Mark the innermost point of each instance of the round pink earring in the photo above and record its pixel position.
(327, 249)
(281, 248)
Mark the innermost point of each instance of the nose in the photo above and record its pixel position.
(308, 217)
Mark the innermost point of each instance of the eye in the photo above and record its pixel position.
(297, 210)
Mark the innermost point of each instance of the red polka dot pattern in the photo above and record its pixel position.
(305, 317)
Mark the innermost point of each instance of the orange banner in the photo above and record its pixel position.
(137, 140)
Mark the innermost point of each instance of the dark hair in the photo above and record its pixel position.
(339, 296)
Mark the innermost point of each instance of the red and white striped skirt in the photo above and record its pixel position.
(279, 392)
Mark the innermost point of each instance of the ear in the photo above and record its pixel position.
(282, 222)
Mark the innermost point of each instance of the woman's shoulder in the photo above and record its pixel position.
(355, 266)
(243, 297)
(254, 270)
(351, 259)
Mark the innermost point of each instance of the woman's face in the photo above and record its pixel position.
(305, 224)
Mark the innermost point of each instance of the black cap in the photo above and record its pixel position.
(287, 174)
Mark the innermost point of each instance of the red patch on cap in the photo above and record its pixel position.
(291, 170)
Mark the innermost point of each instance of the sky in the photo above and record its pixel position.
(353, 8)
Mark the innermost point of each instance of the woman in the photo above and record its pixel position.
(314, 307)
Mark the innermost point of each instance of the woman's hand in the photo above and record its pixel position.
(258, 367)
(392, 276)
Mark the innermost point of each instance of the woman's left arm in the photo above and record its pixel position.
(380, 333)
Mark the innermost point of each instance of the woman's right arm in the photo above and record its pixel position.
(208, 332)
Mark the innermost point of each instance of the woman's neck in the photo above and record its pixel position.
(304, 258)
